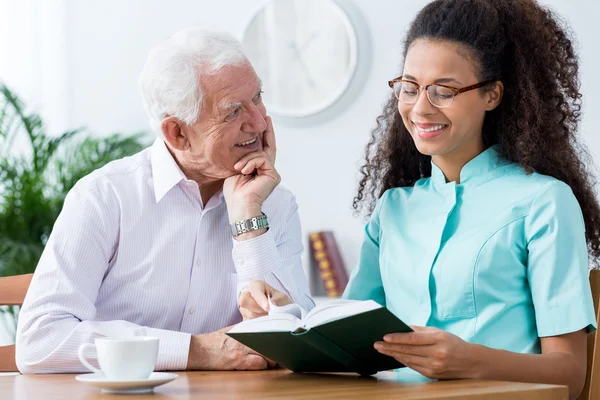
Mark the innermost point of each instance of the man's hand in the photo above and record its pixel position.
(254, 300)
(432, 352)
(245, 193)
(217, 351)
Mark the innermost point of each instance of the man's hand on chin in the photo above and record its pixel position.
(245, 192)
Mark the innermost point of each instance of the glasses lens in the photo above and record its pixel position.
(406, 92)
(440, 96)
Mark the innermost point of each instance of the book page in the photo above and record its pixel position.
(268, 323)
(282, 319)
(293, 309)
(339, 309)
(329, 304)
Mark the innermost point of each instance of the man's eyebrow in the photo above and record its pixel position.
(232, 106)
(237, 104)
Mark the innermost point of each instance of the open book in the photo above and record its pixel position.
(337, 336)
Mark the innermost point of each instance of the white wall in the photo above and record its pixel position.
(33, 55)
(105, 45)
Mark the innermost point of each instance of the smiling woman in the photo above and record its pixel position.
(455, 121)
(481, 203)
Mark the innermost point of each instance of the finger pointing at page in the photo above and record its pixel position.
(259, 291)
(254, 301)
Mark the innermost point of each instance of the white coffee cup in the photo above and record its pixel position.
(123, 359)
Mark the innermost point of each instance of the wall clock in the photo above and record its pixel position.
(306, 53)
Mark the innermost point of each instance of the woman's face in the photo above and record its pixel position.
(457, 129)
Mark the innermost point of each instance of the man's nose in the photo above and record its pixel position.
(255, 122)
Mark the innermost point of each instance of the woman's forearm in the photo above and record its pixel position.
(553, 368)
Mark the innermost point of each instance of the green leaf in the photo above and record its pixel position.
(34, 184)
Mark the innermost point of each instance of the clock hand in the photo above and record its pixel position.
(310, 39)
(294, 48)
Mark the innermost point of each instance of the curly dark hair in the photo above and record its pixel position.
(529, 49)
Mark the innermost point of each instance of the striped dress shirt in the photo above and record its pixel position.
(136, 252)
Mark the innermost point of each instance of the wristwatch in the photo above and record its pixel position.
(249, 225)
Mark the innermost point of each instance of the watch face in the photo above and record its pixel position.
(305, 53)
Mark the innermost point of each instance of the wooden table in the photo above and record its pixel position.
(281, 384)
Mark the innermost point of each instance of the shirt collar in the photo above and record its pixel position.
(479, 166)
(166, 174)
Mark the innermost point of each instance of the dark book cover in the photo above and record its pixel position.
(345, 345)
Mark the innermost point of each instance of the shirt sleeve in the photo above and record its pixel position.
(58, 314)
(275, 257)
(557, 268)
(365, 281)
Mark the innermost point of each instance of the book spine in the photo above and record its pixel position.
(326, 258)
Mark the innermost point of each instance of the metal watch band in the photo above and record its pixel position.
(249, 225)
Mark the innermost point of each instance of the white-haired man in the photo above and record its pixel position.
(144, 245)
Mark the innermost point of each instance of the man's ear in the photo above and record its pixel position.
(494, 96)
(175, 134)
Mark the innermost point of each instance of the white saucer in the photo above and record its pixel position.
(131, 387)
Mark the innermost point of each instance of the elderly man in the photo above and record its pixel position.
(144, 245)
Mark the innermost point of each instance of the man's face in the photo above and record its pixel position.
(231, 124)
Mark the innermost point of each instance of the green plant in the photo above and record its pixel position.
(35, 180)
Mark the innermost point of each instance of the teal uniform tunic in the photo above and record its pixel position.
(498, 260)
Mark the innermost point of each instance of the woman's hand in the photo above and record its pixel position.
(432, 352)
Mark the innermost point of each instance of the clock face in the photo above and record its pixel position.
(305, 53)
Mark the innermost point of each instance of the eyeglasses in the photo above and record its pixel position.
(439, 96)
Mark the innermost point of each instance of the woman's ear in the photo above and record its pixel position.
(174, 133)
(494, 96)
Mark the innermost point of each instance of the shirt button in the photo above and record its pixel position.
(240, 261)
(192, 310)
(198, 262)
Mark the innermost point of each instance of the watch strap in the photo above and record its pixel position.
(249, 225)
